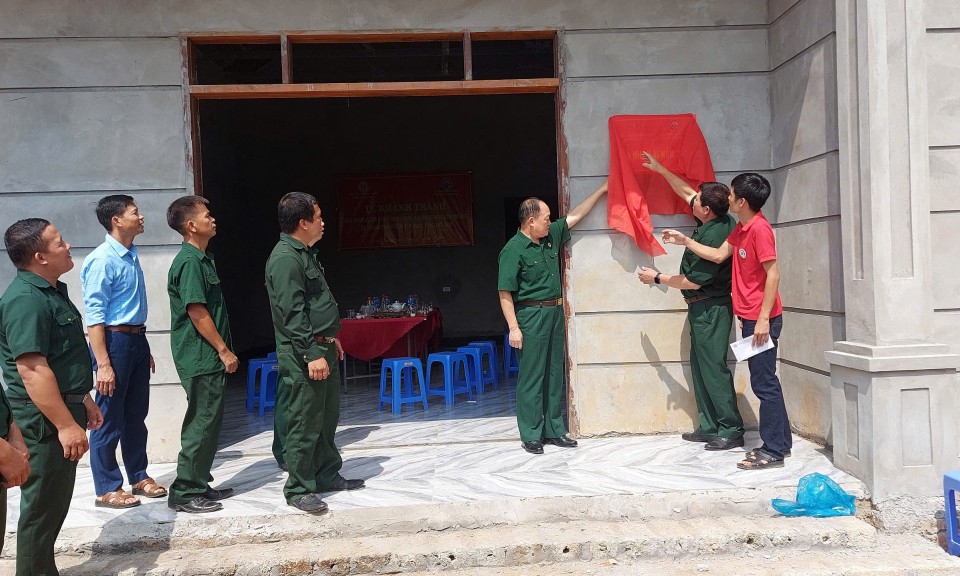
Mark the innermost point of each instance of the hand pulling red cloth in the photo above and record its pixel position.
(635, 192)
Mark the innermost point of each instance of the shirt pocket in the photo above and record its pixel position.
(214, 294)
(314, 284)
(67, 330)
(532, 268)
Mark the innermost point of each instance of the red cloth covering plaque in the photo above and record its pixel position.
(635, 192)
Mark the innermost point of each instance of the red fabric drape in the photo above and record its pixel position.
(634, 192)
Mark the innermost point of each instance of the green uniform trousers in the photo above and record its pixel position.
(3, 515)
(281, 416)
(199, 436)
(312, 413)
(710, 324)
(45, 496)
(540, 380)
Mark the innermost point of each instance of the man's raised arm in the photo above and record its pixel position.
(583, 208)
(715, 255)
(681, 188)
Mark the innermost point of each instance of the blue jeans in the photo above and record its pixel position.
(774, 423)
(124, 414)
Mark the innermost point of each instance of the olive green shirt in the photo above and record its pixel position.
(193, 279)
(714, 279)
(301, 303)
(529, 270)
(36, 317)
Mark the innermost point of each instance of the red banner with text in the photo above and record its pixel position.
(405, 210)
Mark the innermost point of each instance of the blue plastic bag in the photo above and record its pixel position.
(817, 496)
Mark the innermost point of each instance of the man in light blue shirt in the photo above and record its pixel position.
(115, 302)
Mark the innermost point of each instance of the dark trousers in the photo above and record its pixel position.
(280, 415)
(312, 413)
(124, 415)
(774, 423)
(540, 380)
(199, 436)
(710, 324)
(45, 496)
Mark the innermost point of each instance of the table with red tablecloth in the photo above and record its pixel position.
(369, 338)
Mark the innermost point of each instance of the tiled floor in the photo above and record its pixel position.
(470, 451)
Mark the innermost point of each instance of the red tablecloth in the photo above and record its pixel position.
(371, 338)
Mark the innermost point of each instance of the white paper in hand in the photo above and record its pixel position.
(744, 349)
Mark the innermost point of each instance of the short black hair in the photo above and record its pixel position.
(23, 239)
(753, 188)
(716, 197)
(110, 206)
(294, 207)
(182, 210)
(529, 207)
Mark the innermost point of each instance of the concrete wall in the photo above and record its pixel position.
(629, 345)
(943, 90)
(805, 207)
(91, 103)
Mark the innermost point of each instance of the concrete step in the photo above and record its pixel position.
(216, 530)
(747, 545)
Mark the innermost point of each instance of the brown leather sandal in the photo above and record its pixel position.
(116, 499)
(149, 489)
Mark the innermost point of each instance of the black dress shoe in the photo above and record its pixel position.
(533, 447)
(724, 443)
(198, 505)
(310, 503)
(221, 494)
(697, 437)
(343, 484)
(563, 442)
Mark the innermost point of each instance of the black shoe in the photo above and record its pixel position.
(282, 466)
(198, 505)
(215, 494)
(343, 484)
(310, 503)
(724, 443)
(533, 447)
(697, 437)
(563, 442)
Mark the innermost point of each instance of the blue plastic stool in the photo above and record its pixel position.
(254, 366)
(478, 376)
(268, 387)
(490, 347)
(451, 362)
(951, 484)
(401, 383)
(511, 362)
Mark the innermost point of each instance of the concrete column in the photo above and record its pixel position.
(893, 387)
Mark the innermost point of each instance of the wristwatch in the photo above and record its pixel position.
(656, 279)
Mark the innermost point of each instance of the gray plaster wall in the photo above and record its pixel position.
(91, 103)
(805, 207)
(943, 95)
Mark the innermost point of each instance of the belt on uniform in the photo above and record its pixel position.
(128, 328)
(67, 398)
(541, 303)
(324, 339)
(698, 298)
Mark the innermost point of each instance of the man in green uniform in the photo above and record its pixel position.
(530, 298)
(200, 339)
(306, 321)
(706, 290)
(47, 369)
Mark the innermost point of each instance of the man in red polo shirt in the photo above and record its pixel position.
(756, 302)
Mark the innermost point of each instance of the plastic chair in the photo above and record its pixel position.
(511, 362)
(451, 362)
(268, 387)
(479, 376)
(490, 347)
(401, 383)
(254, 365)
(951, 484)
